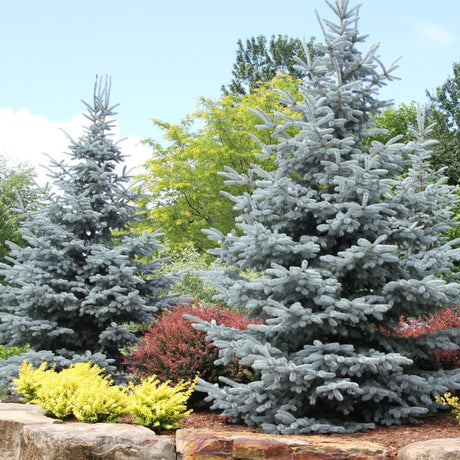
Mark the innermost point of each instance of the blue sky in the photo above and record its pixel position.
(162, 56)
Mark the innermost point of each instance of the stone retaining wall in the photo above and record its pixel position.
(27, 434)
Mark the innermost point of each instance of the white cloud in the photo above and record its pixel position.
(136, 153)
(436, 33)
(28, 138)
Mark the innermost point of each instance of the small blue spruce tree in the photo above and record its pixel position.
(83, 276)
(346, 239)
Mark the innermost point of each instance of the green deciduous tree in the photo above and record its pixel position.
(82, 277)
(444, 111)
(397, 121)
(345, 239)
(259, 60)
(183, 181)
(16, 184)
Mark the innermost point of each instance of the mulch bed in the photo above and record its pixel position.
(443, 425)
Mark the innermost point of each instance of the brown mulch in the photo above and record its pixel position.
(438, 426)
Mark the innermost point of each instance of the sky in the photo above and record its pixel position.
(162, 56)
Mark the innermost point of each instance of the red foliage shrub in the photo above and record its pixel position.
(172, 349)
(445, 318)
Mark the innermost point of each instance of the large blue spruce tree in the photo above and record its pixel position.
(71, 292)
(345, 239)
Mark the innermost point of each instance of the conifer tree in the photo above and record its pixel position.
(346, 238)
(82, 278)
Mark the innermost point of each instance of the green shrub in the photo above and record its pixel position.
(7, 352)
(186, 264)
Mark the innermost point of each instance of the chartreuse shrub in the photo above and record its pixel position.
(95, 404)
(7, 352)
(84, 391)
(158, 405)
(56, 392)
(30, 380)
(452, 401)
(80, 390)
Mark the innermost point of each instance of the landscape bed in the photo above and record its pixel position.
(397, 436)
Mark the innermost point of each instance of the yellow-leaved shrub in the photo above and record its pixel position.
(84, 391)
(80, 390)
(56, 393)
(452, 401)
(30, 380)
(95, 404)
(157, 405)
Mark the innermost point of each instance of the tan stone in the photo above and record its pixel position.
(435, 449)
(81, 441)
(13, 418)
(15, 407)
(214, 445)
(27, 434)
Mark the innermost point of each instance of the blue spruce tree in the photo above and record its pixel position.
(345, 239)
(83, 277)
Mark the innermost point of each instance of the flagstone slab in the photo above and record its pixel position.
(214, 445)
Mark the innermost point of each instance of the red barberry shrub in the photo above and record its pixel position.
(173, 350)
(445, 318)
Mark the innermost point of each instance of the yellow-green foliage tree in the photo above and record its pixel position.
(183, 177)
(397, 121)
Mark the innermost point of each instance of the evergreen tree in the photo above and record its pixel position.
(82, 277)
(346, 239)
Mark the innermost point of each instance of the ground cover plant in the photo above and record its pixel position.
(348, 238)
